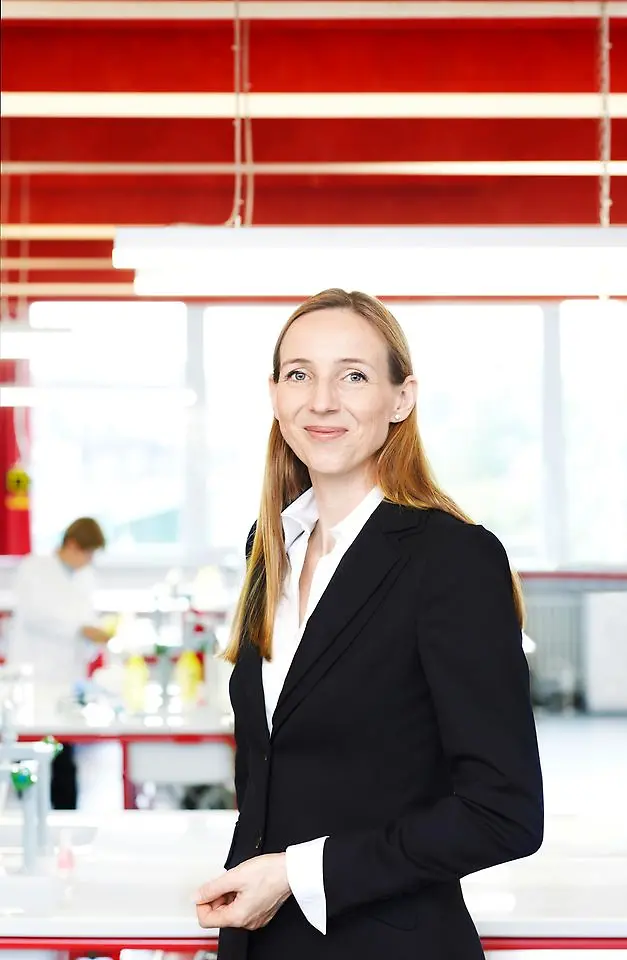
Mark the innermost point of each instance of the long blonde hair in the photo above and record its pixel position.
(402, 472)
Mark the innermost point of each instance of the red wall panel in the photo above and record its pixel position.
(14, 513)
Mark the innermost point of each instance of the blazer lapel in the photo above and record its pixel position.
(372, 562)
(250, 665)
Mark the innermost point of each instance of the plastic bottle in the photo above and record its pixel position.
(65, 855)
(188, 675)
(136, 675)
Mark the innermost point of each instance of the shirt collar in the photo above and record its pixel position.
(301, 517)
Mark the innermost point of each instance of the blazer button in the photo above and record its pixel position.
(258, 842)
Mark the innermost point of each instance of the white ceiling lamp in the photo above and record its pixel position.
(492, 272)
(19, 341)
(434, 262)
(307, 105)
(155, 398)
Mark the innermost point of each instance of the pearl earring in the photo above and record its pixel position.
(397, 416)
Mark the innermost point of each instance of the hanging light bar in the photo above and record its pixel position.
(436, 262)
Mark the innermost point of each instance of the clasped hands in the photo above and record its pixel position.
(247, 896)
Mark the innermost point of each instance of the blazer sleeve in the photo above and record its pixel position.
(241, 779)
(470, 646)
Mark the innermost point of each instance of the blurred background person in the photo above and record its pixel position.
(54, 627)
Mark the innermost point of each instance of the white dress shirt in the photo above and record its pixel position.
(304, 860)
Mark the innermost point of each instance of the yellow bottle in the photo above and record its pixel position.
(136, 676)
(110, 624)
(188, 675)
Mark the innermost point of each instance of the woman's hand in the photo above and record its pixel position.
(247, 896)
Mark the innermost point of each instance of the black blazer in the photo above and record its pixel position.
(404, 733)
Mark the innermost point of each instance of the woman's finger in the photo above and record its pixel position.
(220, 916)
(219, 902)
(210, 891)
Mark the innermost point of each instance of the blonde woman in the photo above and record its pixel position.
(385, 739)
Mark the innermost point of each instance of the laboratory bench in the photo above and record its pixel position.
(181, 745)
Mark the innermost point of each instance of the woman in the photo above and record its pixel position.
(385, 738)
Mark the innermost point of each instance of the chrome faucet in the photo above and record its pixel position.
(28, 766)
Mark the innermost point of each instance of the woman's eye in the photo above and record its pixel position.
(298, 375)
(355, 376)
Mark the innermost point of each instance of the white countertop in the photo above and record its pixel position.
(48, 711)
(201, 722)
(137, 877)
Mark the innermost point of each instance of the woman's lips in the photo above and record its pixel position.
(325, 433)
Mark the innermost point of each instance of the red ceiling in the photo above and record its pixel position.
(117, 140)
(323, 56)
(469, 56)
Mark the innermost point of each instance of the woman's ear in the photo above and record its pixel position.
(406, 400)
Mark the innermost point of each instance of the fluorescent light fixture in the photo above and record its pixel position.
(437, 262)
(19, 396)
(186, 10)
(57, 231)
(391, 168)
(307, 105)
(20, 342)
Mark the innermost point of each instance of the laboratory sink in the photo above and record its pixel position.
(153, 836)
(157, 892)
(102, 889)
(31, 896)
(11, 832)
(556, 871)
(569, 835)
(186, 871)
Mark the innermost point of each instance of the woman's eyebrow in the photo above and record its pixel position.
(354, 360)
(287, 363)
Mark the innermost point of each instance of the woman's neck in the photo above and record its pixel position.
(336, 497)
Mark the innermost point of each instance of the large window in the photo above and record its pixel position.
(594, 348)
(239, 341)
(111, 443)
(521, 408)
(479, 370)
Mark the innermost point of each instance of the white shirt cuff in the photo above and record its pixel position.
(306, 879)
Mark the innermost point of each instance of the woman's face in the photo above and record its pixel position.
(334, 400)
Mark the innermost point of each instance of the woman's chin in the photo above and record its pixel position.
(320, 467)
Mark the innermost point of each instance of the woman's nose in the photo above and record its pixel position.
(323, 396)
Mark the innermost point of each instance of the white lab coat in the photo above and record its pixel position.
(51, 604)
